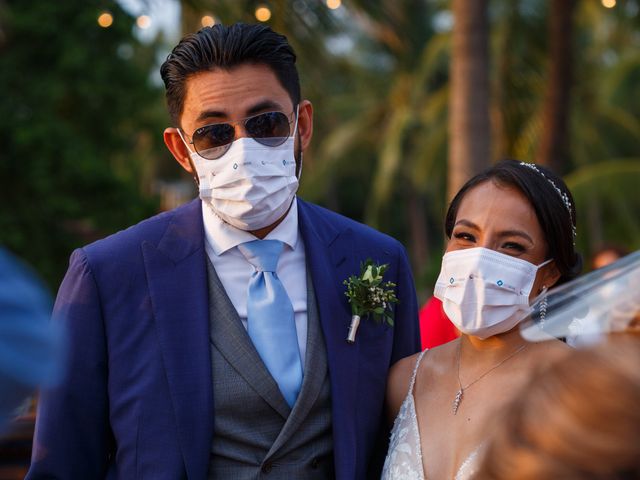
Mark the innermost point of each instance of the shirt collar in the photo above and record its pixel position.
(221, 237)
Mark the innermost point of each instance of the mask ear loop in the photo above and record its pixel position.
(546, 262)
(295, 128)
(295, 131)
(301, 163)
(193, 167)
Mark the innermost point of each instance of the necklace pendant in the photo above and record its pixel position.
(456, 402)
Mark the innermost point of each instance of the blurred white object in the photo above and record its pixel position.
(604, 301)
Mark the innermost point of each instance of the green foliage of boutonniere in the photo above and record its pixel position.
(368, 295)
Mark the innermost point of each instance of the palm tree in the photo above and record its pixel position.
(554, 143)
(469, 126)
(605, 128)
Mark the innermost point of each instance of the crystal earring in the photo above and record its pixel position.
(543, 307)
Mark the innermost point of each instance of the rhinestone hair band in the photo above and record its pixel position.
(563, 195)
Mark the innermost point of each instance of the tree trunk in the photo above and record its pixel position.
(469, 125)
(502, 144)
(553, 148)
(419, 238)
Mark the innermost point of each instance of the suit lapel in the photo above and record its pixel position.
(233, 342)
(326, 249)
(177, 280)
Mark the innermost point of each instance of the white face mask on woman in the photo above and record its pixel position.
(252, 185)
(485, 292)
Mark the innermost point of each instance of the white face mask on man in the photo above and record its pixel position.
(485, 292)
(252, 185)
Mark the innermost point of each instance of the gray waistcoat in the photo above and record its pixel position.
(257, 434)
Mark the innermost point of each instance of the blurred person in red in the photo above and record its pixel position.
(435, 328)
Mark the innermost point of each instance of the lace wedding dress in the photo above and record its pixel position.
(404, 459)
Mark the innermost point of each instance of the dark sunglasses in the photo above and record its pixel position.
(270, 128)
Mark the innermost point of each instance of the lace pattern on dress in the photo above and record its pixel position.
(469, 467)
(404, 460)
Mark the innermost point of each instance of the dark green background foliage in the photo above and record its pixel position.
(75, 109)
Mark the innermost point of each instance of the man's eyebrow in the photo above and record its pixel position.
(257, 108)
(264, 105)
(211, 115)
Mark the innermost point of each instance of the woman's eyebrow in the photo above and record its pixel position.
(467, 223)
(516, 233)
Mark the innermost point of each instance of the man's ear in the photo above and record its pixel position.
(177, 148)
(305, 123)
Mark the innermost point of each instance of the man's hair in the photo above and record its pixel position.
(227, 47)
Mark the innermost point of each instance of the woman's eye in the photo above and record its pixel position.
(464, 236)
(514, 246)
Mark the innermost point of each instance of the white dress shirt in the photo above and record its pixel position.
(234, 271)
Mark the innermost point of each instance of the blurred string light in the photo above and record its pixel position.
(208, 21)
(164, 16)
(143, 21)
(105, 19)
(263, 14)
(334, 4)
(608, 3)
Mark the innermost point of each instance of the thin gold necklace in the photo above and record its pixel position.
(460, 394)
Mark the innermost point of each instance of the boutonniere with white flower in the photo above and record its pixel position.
(369, 296)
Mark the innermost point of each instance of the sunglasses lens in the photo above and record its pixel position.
(213, 141)
(270, 129)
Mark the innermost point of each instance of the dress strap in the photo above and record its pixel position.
(415, 371)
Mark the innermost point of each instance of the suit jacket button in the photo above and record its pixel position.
(266, 467)
(315, 463)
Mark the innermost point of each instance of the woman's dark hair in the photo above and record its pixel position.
(226, 47)
(556, 220)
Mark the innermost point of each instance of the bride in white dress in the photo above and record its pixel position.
(511, 236)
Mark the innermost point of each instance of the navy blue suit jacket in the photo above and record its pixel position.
(138, 402)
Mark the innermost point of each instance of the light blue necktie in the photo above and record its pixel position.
(270, 318)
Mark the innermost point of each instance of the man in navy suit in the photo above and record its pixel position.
(176, 369)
